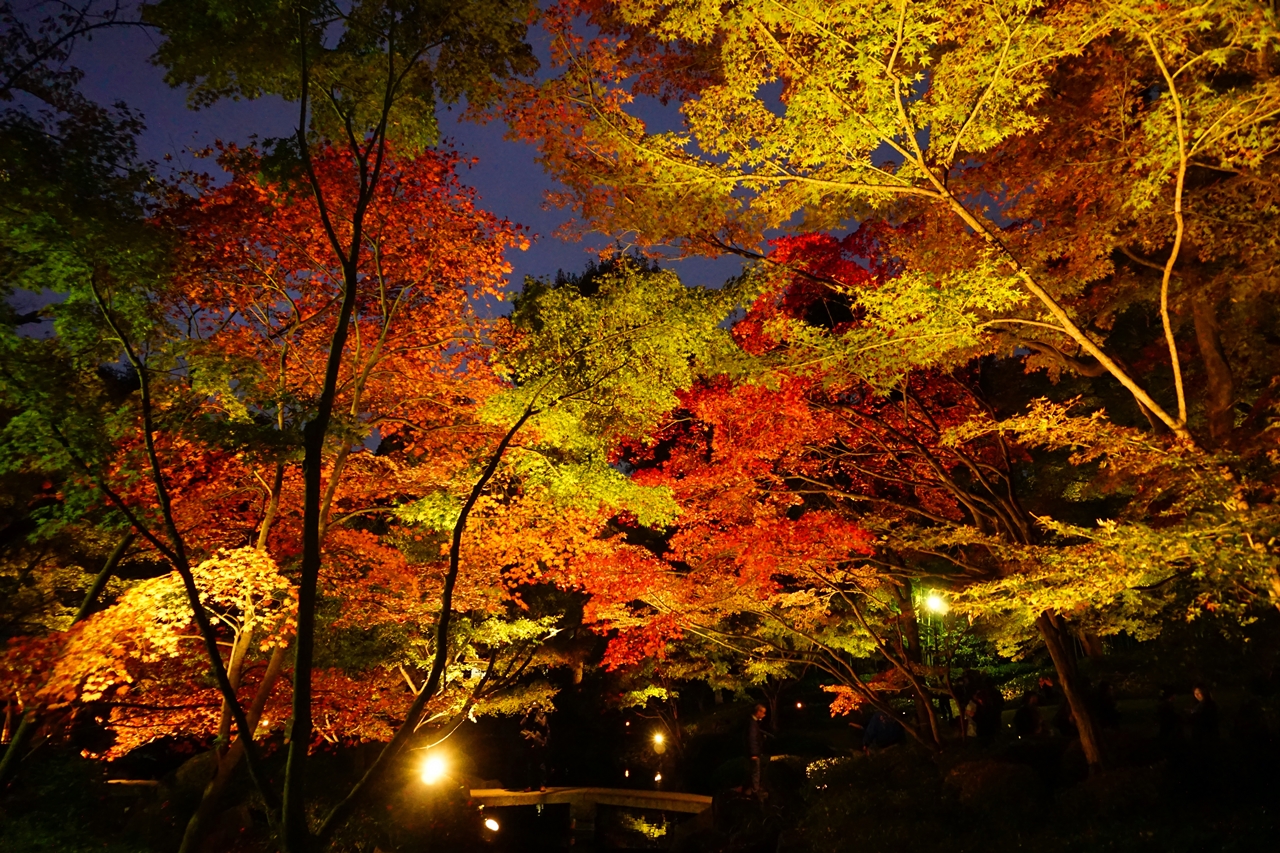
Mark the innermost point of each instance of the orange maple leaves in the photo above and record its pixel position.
(252, 306)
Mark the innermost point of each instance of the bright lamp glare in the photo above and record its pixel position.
(657, 777)
(433, 769)
(936, 603)
(659, 738)
(491, 824)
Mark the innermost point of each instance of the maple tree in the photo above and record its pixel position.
(208, 439)
(575, 362)
(823, 109)
(72, 202)
(763, 570)
(375, 81)
(920, 482)
(1043, 179)
(249, 279)
(1051, 176)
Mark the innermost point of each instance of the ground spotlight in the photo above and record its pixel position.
(491, 824)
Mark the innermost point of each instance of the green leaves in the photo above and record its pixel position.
(804, 112)
(1210, 107)
(597, 360)
(437, 511)
(912, 321)
(1187, 541)
(591, 481)
(607, 364)
(360, 64)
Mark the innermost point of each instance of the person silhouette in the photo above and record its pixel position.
(1204, 717)
(755, 748)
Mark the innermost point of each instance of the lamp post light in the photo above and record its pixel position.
(659, 743)
(936, 608)
(433, 769)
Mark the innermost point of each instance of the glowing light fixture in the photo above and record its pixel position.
(659, 737)
(657, 777)
(433, 769)
(799, 704)
(626, 774)
(491, 824)
(935, 603)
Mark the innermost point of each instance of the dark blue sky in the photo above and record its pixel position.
(509, 181)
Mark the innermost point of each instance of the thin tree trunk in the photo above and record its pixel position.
(1220, 390)
(295, 835)
(273, 507)
(1069, 676)
(903, 666)
(27, 726)
(104, 576)
(29, 721)
(176, 551)
(343, 810)
(228, 760)
(234, 670)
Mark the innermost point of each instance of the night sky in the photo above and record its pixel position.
(509, 181)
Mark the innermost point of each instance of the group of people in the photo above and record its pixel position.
(1199, 726)
(982, 704)
(983, 708)
(1028, 720)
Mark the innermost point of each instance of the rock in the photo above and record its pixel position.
(995, 785)
(190, 779)
(1124, 790)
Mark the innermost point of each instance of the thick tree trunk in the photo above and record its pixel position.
(1092, 645)
(239, 649)
(295, 833)
(1220, 389)
(1055, 638)
(227, 763)
(909, 634)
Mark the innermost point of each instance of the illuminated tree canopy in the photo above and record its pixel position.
(291, 467)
